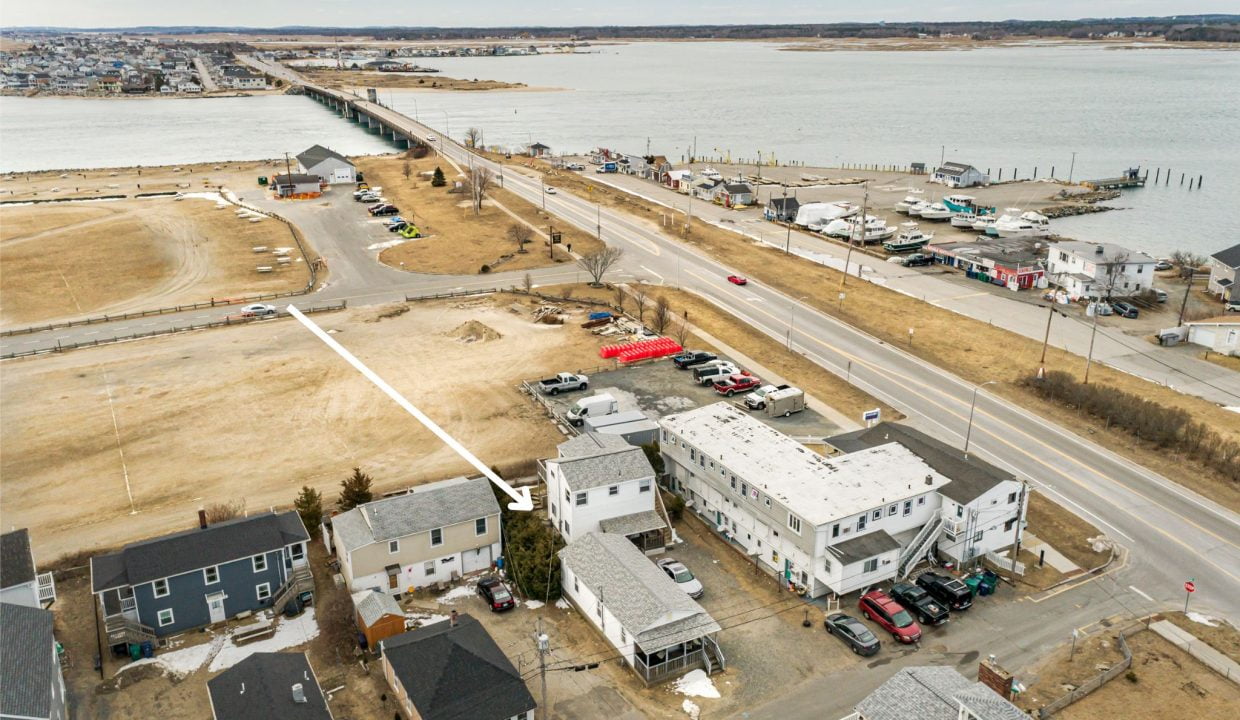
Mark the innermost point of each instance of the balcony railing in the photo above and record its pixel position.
(658, 672)
(46, 588)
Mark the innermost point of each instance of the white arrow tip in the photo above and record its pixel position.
(525, 504)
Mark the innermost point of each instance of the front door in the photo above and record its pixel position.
(215, 606)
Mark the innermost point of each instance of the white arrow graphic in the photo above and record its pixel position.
(521, 499)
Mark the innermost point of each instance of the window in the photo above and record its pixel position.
(568, 496)
(861, 523)
(921, 500)
(978, 536)
(870, 565)
(436, 537)
(794, 523)
(702, 460)
(960, 511)
(663, 435)
(613, 490)
(1007, 526)
(744, 488)
(428, 568)
(644, 486)
(733, 482)
(211, 575)
(582, 498)
(566, 530)
(263, 591)
(768, 502)
(1011, 498)
(892, 510)
(393, 546)
(775, 534)
(826, 563)
(908, 507)
(576, 587)
(165, 617)
(623, 637)
(835, 530)
(297, 552)
(480, 526)
(878, 514)
(553, 510)
(692, 454)
(160, 587)
(259, 562)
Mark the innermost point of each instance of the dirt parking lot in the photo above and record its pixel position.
(150, 432)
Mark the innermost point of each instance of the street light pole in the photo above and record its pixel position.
(865, 200)
(792, 309)
(787, 240)
(969, 432)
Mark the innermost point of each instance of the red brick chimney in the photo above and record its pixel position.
(202, 518)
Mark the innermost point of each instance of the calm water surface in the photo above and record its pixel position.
(1012, 108)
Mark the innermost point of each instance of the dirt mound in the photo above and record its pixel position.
(474, 331)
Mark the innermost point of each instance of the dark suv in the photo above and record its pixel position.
(928, 610)
(947, 590)
(689, 358)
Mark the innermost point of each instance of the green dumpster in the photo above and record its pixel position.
(135, 651)
(262, 180)
(973, 582)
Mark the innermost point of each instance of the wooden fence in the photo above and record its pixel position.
(1093, 683)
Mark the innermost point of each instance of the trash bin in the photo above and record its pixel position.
(148, 649)
(973, 582)
(990, 581)
(135, 652)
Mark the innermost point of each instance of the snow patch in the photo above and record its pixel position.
(180, 663)
(563, 604)
(423, 619)
(1203, 619)
(1235, 409)
(385, 245)
(299, 630)
(533, 604)
(455, 594)
(696, 684)
(691, 708)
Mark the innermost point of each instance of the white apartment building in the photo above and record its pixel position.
(825, 524)
(600, 483)
(1093, 270)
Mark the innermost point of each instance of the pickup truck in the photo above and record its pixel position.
(928, 610)
(756, 400)
(563, 382)
(689, 358)
(733, 384)
(707, 374)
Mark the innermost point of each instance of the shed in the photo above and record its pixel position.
(327, 165)
(377, 615)
(297, 185)
(954, 174)
(537, 149)
(1220, 334)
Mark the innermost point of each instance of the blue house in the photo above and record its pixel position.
(179, 582)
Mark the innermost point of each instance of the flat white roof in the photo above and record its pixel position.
(819, 489)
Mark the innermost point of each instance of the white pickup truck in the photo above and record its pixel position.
(563, 382)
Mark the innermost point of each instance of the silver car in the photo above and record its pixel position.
(682, 576)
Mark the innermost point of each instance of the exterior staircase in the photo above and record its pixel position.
(917, 549)
(46, 587)
(715, 661)
(301, 580)
(121, 630)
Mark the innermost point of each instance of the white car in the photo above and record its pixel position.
(683, 578)
(259, 310)
(550, 191)
(430, 138)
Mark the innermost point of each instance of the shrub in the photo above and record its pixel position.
(309, 505)
(354, 490)
(484, 269)
(675, 506)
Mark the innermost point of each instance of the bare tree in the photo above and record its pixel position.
(219, 512)
(527, 282)
(682, 331)
(620, 298)
(599, 262)
(477, 183)
(520, 234)
(473, 137)
(1187, 262)
(406, 169)
(662, 315)
(1113, 272)
(639, 297)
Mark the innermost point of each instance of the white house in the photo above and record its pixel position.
(934, 693)
(1220, 334)
(1224, 271)
(330, 166)
(658, 630)
(958, 175)
(601, 483)
(1093, 270)
(830, 524)
(20, 581)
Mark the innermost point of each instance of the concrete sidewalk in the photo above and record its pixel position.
(1189, 643)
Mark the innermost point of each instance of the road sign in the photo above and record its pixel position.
(1190, 586)
(871, 415)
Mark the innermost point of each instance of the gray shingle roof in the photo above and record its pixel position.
(261, 688)
(425, 507)
(295, 179)
(930, 693)
(632, 524)
(954, 168)
(784, 203)
(456, 673)
(16, 562)
(864, 547)
(593, 460)
(970, 478)
(648, 604)
(26, 665)
(1229, 257)
(372, 605)
(1110, 252)
(737, 188)
(316, 154)
(191, 550)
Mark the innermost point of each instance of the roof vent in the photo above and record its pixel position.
(929, 479)
(242, 688)
(299, 693)
(1099, 250)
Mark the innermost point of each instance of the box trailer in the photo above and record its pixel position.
(784, 402)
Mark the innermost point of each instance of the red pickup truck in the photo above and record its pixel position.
(733, 384)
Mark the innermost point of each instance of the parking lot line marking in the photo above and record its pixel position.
(1134, 589)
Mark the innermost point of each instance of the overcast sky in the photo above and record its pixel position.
(489, 13)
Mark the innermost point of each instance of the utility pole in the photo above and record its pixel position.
(784, 209)
(1187, 287)
(288, 175)
(1093, 333)
(942, 154)
(865, 200)
(598, 222)
(1020, 507)
(1046, 340)
(543, 647)
(1071, 168)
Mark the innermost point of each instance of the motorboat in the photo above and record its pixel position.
(986, 224)
(916, 208)
(821, 213)
(908, 202)
(1026, 224)
(876, 229)
(936, 211)
(910, 238)
(964, 220)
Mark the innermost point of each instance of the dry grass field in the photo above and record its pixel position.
(255, 412)
(56, 184)
(458, 241)
(59, 261)
(405, 81)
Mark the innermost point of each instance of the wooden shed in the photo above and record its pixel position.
(378, 616)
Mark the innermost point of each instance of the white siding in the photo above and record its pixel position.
(461, 563)
(599, 616)
(987, 514)
(600, 503)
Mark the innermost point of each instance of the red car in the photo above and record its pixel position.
(891, 616)
(733, 384)
(738, 280)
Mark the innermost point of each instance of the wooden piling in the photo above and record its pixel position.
(1199, 181)
(1181, 179)
(1157, 174)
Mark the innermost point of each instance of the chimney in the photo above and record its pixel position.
(452, 619)
(299, 693)
(929, 479)
(202, 518)
(1099, 250)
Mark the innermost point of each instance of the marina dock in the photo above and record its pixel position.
(1130, 179)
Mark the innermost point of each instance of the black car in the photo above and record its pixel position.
(1123, 309)
(918, 259)
(397, 227)
(384, 210)
(689, 358)
(947, 590)
(853, 632)
(928, 610)
(493, 590)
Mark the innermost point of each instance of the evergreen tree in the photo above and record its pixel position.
(438, 179)
(309, 504)
(354, 490)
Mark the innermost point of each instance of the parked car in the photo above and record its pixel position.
(1160, 295)
(259, 310)
(550, 190)
(891, 616)
(1163, 264)
(708, 373)
(689, 358)
(946, 589)
(917, 260)
(563, 382)
(398, 220)
(853, 632)
(384, 209)
(430, 138)
(1232, 306)
(397, 227)
(928, 610)
(409, 232)
(733, 384)
(738, 280)
(677, 571)
(575, 166)
(366, 196)
(496, 593)
(1124, 309)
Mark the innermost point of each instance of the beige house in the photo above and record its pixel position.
(435, 533)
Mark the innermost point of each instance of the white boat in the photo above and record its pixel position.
(916, 208)
(821, 213)
(876, 229)
(964, 220)
(1027, 224)
(910, 238)
(986, 224)
(908, 202)
(936, 211)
